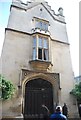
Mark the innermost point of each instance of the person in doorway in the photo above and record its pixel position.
(65, 110)
(80, 110)
(58, 114)
(46, 112)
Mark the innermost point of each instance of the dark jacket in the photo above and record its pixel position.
(58, 116)
(65, 110)
(80, 111)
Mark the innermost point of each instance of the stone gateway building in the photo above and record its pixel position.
(36, 58)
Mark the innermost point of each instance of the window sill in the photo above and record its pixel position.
(40, 65)
(38, 30)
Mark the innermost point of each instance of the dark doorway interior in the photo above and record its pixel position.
(38, 98)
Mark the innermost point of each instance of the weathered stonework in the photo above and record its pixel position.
(17, 62)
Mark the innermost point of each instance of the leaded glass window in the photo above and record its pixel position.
(41, 24)
(40, 48)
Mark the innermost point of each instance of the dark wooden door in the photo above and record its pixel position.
(38, 98)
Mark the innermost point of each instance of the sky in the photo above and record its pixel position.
(71, 13)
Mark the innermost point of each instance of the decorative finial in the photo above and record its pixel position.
(60, 10)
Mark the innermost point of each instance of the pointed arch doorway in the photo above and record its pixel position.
(38, 98)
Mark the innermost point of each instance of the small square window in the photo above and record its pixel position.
(41, 24)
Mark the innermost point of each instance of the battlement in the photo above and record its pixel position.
(30, 4)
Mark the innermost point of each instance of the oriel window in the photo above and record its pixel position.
(40, 48)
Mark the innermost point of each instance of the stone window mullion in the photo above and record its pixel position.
(37, 47)
(42, 49)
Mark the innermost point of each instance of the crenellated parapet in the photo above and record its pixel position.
(29, 4)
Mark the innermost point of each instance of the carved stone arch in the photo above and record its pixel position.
(38, 75)
(32, 76)
(51, 78)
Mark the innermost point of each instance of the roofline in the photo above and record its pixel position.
(52, 15)
(36, 5)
